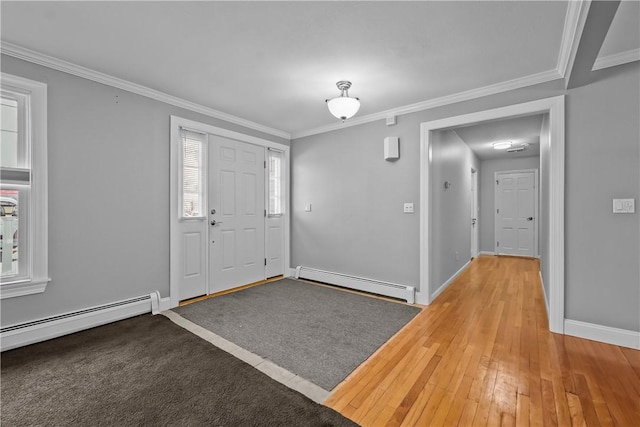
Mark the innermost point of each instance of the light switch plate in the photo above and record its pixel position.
(624, 205)
(307, 207)
(408, 208)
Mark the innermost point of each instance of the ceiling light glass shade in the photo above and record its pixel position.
(502, 145)
(343, 107)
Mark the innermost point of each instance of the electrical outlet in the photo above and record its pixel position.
(624, 206)
(408, 208)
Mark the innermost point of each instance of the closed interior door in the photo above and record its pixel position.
(236, 213)
(515, 213)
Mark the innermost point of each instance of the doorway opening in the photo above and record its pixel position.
(552, 184)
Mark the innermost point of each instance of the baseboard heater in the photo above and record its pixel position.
(26, 333)
(393, 290)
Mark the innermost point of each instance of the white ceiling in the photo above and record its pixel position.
(274, 63)
(520, 130)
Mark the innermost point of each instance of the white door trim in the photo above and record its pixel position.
(536, 209)
(475, 228)
(555, 108)
(176, 123)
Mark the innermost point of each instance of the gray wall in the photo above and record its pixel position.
(450, 245)
(488, 168)
(369, 236)
(602, 257)
(356, 225)
(108, 159)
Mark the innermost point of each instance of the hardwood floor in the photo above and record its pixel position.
(482, 355)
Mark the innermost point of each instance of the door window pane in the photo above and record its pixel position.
(276, 202)
(192, 175)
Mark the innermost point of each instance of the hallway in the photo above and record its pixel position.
(482, 355)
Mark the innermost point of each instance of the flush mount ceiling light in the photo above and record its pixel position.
(502, 145)
(343, 107)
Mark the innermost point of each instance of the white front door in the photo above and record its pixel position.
(515, 213)
(236, 213)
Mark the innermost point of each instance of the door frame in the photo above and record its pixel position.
(553, 106)
(176, 124)
(475, 228)
(536, 197)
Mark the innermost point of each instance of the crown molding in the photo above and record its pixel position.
(96, 76)
(574, 21)
(543, 77)
(617, 59)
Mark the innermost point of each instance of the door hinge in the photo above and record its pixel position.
(497, 210)
(265, 164)
(498, 244)
(265, 261)
(265, 213)
(497, 182)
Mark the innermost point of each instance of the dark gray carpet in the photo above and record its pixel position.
(145, 371)
(318, 333)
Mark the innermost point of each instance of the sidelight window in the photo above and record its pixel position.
(192, 194)
(275, 164)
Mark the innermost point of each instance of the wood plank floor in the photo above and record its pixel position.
(482, 355)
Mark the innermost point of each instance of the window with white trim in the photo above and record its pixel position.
(276, 183)
(23, 187)
(192, 197)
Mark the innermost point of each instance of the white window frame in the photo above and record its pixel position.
(36, 223)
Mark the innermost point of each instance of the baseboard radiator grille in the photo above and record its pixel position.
(393, 290)
(22, 334)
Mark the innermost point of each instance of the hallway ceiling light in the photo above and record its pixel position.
(343, 107)
(502, 145)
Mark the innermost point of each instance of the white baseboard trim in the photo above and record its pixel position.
(605, 334)
(544, 294)
(487, 253)
(379, 287)
(22, 334)
(292, 272)
(449, 280)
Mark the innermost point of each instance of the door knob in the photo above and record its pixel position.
(214, 222)
(530, 218)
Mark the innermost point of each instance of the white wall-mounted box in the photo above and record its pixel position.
(391, 148)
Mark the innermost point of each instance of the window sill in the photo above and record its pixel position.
(21, 288)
